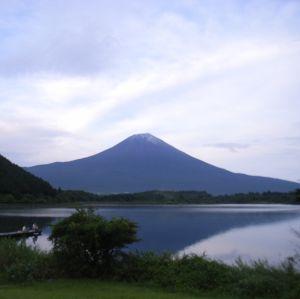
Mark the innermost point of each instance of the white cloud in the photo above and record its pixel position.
(77, 76)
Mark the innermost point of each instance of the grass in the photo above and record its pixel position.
(90, 289)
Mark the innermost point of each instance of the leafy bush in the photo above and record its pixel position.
(165, 270)
(260, 280)
(86, 245)
(19, 262)
(197, 273)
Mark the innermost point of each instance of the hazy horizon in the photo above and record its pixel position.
(218, 80)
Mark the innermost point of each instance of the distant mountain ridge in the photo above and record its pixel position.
(143, 162)
(15, 180)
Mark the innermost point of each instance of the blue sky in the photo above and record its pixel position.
(217, 79)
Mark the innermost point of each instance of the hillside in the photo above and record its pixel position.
(16, 181)
(142, 163)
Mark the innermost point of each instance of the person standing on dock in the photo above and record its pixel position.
(35, 227)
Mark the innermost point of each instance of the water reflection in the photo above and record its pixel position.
(224, 232)
(273, 242)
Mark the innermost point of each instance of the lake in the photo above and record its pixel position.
(224, 232)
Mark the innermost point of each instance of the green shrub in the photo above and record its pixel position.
(141, 266)
(260, 280)
(197, 273)
(165, 270)
(87, 245)
(19, 262)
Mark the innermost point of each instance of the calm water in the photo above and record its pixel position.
(221, 231)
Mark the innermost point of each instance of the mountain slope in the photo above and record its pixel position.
(143, 162)
(17, 181)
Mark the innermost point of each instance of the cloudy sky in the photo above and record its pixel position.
(219, 80)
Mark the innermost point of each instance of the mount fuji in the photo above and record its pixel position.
(143, 162)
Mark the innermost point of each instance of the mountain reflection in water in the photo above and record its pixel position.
(222, 231)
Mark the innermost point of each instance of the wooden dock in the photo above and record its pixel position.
(21, 234)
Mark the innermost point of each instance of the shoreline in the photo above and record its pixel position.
(141, 204)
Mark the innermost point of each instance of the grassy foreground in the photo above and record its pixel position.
(90, 289)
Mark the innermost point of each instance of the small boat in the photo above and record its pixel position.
(22, 234)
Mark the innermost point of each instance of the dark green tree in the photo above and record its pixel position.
(86, 244)
(18, 182)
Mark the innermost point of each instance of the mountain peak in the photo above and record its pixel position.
(145, 137)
